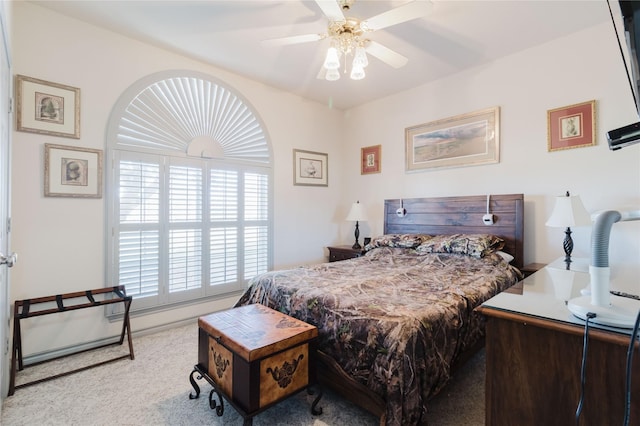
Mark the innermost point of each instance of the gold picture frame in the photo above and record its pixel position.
(310, 168)
(464, 140)
(72, 172)
(572, 126)
(370, 159)
(47, 108)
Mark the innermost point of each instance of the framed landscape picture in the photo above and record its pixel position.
(464, 140)
(572, 126)
(47, 108)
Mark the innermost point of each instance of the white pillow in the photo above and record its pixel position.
(506, 256)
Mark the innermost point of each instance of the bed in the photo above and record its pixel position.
(395, 323)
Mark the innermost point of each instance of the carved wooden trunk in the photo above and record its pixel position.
(255, 355)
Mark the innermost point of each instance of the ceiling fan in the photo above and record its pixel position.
(348, 36)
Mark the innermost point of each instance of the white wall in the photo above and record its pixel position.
(575, 69)
(61, 241)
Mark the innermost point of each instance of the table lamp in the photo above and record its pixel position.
(357, 214)
(568, 211)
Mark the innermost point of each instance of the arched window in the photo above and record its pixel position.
(188, 190)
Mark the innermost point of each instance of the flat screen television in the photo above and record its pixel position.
(629, 135)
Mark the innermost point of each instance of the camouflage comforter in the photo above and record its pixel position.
(395, 319)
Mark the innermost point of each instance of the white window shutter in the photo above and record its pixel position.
(186, 223)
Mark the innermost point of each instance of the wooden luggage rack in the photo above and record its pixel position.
(23, 310)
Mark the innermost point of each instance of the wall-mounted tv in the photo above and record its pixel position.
(629, 135)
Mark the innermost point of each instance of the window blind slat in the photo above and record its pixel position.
(223, 256)
(185, 194)
(139, 189)
(185, 259)
(256, 196)
(256, 244)
(138, 262)
(223, 189)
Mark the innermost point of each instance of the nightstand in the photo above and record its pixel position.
(337, 253)
(531, 268)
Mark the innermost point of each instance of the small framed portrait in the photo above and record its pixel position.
(572, 126)
(47, 108)
(310, 168)
(370, 160)
(72, 172)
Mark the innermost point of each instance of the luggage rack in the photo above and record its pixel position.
(23, 310)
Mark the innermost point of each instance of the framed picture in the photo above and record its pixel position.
(72, 172)
(370, 161)
(47, 108)
(310, 168)
(463, 140)
(573, 126)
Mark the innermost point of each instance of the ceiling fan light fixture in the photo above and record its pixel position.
(348, 36)
(332, 60)
(360, 59)
(332, 74)
(357, 72)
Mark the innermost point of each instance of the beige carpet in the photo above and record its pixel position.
(154, 389)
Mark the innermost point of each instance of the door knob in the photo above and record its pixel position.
(8, 260)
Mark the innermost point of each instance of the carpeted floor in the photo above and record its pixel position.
(154, 389)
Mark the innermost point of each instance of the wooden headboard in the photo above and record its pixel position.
(461, 215)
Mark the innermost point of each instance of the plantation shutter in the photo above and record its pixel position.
(188, 191)
(224, 226)
(139, 227)
(256, 238)
(185, 235)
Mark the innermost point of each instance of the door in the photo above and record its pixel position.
(6, 259)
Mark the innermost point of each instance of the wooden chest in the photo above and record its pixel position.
(256, 356)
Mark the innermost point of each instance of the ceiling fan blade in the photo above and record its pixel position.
(398, 15)
(386, 55)
(292, 40)
(331, 9)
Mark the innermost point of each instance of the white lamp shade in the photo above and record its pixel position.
(569, 211)
(332, 75)
(357, 213)
(360, 58)
(332, 60)
(357, 72)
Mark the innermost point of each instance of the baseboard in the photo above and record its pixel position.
(86, 346)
